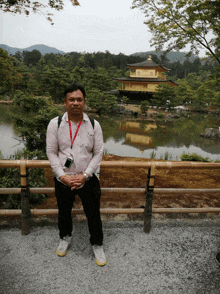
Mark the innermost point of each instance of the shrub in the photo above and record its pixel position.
(10, 178)
(160, 115)
(193, 157)
(144, 106)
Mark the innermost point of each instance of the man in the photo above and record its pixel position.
(74, 149)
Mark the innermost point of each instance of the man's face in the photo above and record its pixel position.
(74, 103)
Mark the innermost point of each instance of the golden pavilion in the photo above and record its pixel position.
(144, 78)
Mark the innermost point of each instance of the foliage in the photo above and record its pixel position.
(101, 79)
(32, 119)
(10, 178)
(114, 65)
(31, 57)
(53, 82)
(200, 90)
(160, 115)
(7, 73)
(193, 157)
(25, 75)
(210, 90)
(164, 96)
(144, 106)
(49, 76)
(177, 24)
(26, 6)
(124, 99)
(101, 101)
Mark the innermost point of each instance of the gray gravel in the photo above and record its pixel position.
(176, 257)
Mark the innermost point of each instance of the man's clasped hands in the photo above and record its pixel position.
(73, 181)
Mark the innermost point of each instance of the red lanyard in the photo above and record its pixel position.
(71, 137)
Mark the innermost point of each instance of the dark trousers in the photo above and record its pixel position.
(90, 195)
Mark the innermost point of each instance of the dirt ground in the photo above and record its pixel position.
(137, 178)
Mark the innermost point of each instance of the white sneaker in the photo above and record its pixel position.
(100, 258)
(63, 246)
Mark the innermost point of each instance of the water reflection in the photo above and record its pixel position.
(162, 139)
(137, 134)
(9, 141)
(161, 152)
(140, 141)
(124, 136)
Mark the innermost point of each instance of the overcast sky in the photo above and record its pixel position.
(96, 25)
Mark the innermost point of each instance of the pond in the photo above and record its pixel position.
(126, 136)
(10, 141)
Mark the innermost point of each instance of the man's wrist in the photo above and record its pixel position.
(87, 176)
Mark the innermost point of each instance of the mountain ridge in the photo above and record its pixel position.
(42, 48)
(173, 56)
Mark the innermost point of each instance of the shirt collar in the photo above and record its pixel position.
(85, 117)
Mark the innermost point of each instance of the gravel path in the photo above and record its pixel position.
(176, 257)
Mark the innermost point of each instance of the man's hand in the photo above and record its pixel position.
(66, 180)
(75, 181)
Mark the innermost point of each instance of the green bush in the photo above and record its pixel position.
(10, 178)
(144, 106)
(193, 157)
(160, 115)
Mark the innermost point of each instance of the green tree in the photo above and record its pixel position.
(6, 72)
(124, 99)
(31, 57)
(31, 120)
(100, 101)
(184, 92)
(53, 82)
(164, 96)
(178, 23)
(199, 90)
(18, 55)
(144, 106)
(100, 78)
(177, 70)
(209, 91)
(24, 74)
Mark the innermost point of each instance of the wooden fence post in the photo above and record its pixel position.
(25, 192)
(149, 198)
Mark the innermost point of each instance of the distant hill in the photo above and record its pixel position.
(172, 56)
(42, 48)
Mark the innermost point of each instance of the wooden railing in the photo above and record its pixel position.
(152, 167)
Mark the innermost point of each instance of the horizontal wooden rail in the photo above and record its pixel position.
(122, 164)
(16, 212)
(10, 191)
(184, 190)
(149, 191)
(48, 190)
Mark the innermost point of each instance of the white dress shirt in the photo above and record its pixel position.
(87, 149)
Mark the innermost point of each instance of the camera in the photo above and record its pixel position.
(68, 162)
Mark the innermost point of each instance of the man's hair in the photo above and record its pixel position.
(74, 87)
